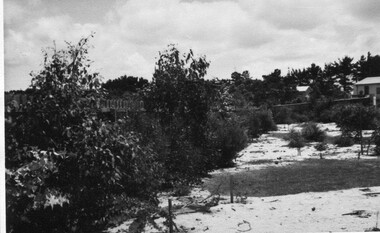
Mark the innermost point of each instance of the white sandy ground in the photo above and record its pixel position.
(290, 213)
(304, 212)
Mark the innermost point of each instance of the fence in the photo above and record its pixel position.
(104, 105)
(299, 107)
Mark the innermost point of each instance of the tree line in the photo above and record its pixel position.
(333, 81)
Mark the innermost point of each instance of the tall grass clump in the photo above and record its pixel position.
(311, 132)
(296, 140)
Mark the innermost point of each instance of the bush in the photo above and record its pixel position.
(288, 116)
(283, 116)
(297, 117)
(266, 121)
(377, 141)
(355, 117)
(232, 140)
(295, 139)
(311, 132)
(326, 116)
(254, 126)
(321, 146)
(344, 141)
(260, 122)
(180, 98)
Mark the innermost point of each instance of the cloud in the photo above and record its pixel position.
(368, 10)
(13, 11)
(258, 35)
(297, 14)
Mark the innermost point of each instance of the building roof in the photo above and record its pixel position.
(369, 80)
(302, 88)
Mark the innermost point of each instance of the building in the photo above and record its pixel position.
(304, 93)
(368, 87)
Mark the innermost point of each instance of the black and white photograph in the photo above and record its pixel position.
(190, 116)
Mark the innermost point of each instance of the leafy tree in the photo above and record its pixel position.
(273, 84)
(353, 119)
(67, 169)
(226, 128)
(181, 99)
(368, 66)
(344, 71)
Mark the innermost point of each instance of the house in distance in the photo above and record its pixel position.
(368, 87)
(304, 93)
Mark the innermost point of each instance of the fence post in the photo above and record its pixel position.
(170, 217)
(231, 189)
(374, 101)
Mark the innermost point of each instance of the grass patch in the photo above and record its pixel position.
(281, 135)
(314, 175)
(261, 161)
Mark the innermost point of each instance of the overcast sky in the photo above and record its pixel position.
(235, 35)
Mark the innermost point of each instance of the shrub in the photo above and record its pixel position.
(377, 142)
(344, 141)
(298, 117)
(326, 116)
(322, 110)
(283, 116)
(226, 137)
(354, 119)
(266, 121)
(260, 122)
(295, 139)
(322, 146)
(377, 150)
(312, 132)
(254, 126)
(180, 99)
(232, 139)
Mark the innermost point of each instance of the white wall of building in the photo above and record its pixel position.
(372, 90)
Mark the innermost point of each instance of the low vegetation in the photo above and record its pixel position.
(311, 132)
(314, 175)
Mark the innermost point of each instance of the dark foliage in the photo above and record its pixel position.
(295, 139)
(377, 145)
(228, 138)
(368, 66)
(344, 141)
(354, 118)
(180, 99)
(321, 146)
(311, 132)
(117, 87)
(283, 116)
(67, 169)
(259, 122)
(232, 139)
